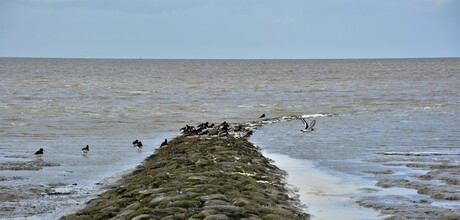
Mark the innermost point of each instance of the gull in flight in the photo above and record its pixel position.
(308, 128)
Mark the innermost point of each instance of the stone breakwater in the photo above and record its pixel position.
(199, 178)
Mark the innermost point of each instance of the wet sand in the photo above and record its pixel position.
(22, 198)
(325, 196)
(435, 183)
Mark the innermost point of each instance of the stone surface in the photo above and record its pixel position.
(199, 178)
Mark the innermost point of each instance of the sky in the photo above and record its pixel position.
(230, 29)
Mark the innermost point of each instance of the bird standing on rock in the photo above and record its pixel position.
(164, 143)
(248, 134)
(85, 150)
(39, 153)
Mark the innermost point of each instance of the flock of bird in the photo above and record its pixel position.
(221, 130)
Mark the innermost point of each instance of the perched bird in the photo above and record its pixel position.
(164, 143)
(39, 153)
(224, 126)
(262, 116)
(223, 133)
(203, 125)
(139, 145)
(85, 150)
(203, 132)
(308, 128)
(248, 134)
(184, 129)
(135, 142)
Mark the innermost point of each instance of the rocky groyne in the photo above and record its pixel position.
(199, 178)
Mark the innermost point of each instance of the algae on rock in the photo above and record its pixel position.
(199, 178)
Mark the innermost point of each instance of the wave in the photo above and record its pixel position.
(141, 92)
(318, 115)
(396, 153)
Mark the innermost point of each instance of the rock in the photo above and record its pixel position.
(227, 209)
(240, 202)
(174, 217)
(213, 131)
(150, 191)
(142, 217)
(133, 206)
(213, 197)
(185, 204)
(123, 215)
(217, 217)
(199, 178)
(215, 202)
(157, 199)
(251, 218)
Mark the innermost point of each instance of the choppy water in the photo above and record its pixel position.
(371, 107)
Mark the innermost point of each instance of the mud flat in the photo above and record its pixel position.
(436, 186)
(199, 178)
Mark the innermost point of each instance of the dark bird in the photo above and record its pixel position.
(184, 129)
(308, 128)
(248, 134)
(139, 145)
(224, 126)
(39, 153)
(85, 150)
(223, 133)
(135, 142)
(262, 116)
(203, 125)
(164, 143)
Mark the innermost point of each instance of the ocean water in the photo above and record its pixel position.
(369, 113)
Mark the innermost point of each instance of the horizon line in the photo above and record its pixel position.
(141, 58)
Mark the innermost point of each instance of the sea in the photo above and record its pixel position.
(373, 117)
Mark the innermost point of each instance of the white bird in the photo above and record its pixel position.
(308, 128)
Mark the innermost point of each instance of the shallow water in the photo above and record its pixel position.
(325, 196)
(333, 173)
(370, 109)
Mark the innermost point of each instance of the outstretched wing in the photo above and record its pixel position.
(304, 122)
(312, 124)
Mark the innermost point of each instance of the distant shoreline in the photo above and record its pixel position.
(237, 59)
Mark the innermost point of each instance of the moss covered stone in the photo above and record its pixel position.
(199, 178)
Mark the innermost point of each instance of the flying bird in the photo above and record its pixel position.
(308, 128)
(85, 150)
